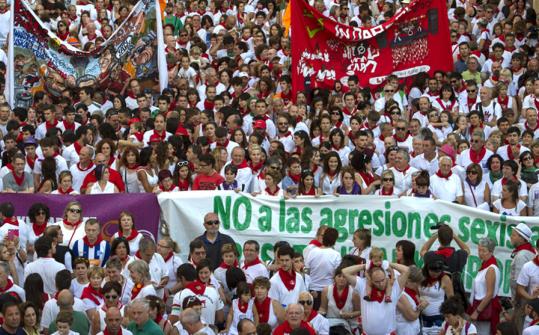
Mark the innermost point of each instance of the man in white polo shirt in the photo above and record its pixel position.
(378, 317)
(252, 265)
(286, 284)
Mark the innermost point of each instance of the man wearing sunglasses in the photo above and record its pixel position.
(213, 239)
(316, 320)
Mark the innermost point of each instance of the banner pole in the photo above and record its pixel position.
(9, 90)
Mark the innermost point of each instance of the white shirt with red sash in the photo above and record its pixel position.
(16, 227)
(208, 295)
(254, 269)
(467, 157)
(286, 293)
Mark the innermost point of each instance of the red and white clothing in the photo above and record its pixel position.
(442, 105)
(244, 176)
(63, 126)
(164, 135)
(229, 146)
(240, 311)
(285, 329)
(403, 179)
(15, 226)
(469, 156)
(286, 287)
(507, 153)
(211, 301)
(532, 329)
(322, 263)
(490, 111)
(405, 143)
(447, 188)
(266, 313)
(102, 310)
(422, 163)
(318, 322)
(158, 271)
(123, 331)
(71, 232)
(92, 298)
(172, 262)
(133, 239)
(496, 191)
(287, 140)
(79, 174)
(254, 269)
(10, 287)
(404, 326)
(338, 304)
(378, 318)
(71, 153)
(138, 291)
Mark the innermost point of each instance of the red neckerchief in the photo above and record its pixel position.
(39, 229)
(529, 128)
(505, 180)
(162, 188)
(510, 154)
(183, 185)
(332, 174)
(162, 136)
(525, 246)
(536, 260)
(107, 332)
(368, 178)
(241, 165)
(288, 279)
(311, 191)
(223, 265)
(287, 329)
(413, 294)
(168, 257)
(139, 136)
(503, 102)
(131, 237)
(62, 36)
(377, 295)
(534, 322)
(242, 306)
(136, 290)
(315, 243)
(403, 171)
(400, 140)
(18, 180)
(91, 245)
(8, 286)
(445, 251)
(158, 318)
(476, 157)
(224, 145)
(69, 126)
(488, 262)
(12, 221)
(340, 299)
(442, 104)
(312, 315)
(91, 165)
(346, 111)
(431, 280)
(51, 125)
(197, 287)
(383, 191)
(246, 265)
(338, 124)
(268, 191)
(439, 174)
(30, 162)
(288, 133)
(68, 191)
(256, 167)
(471, 102)
(73, 225)
(263, 309)
(295, 178)
(111, 160)
(133, 166)
(77, 147)
(92, 294)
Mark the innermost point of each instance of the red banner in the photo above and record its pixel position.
(416, 39)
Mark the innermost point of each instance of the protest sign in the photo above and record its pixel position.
(416, 39)
(269, 219)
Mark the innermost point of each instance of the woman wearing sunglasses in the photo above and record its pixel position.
(111, 298)
(388, 184)
(475, 188)
(72, 226)
(38, 214)
(528, 171)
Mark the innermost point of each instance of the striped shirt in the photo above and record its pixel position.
(97, 255)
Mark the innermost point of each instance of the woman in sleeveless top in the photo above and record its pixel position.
(341, 303)
(269, 311)
(72, 226)
(485, 304)
(146, 173)
(475, 188)
(48, 176)
(510, 204)
(435, 287)
(127, 230)
(330, 178)
(409, 306)
(243, 307)
(102, 185)
(128, 170)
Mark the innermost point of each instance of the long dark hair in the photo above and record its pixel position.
(34, 291)
(408, 252)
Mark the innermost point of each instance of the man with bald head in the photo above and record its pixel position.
(114, 178)
(141, 323)
(191, 322)
(65, 302)
(490, 109)
(316, 320)
(246, 327)
(293, 320)
(213, 239)
(113, 321)
(83, 167)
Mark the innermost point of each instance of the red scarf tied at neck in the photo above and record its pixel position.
(439, 174)
(197, 287)
(340, 299)
(525, 246)
(476, 157)
(288, 279)
(256, 261)
(132, 236)
(263, 309)
(92, 294)
(488, 262)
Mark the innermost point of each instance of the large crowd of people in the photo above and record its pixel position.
(229, 120)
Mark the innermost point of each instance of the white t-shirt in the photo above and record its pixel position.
(211, 302)
(446, 189)
(449, 331)
(322, 263)
(280, 293)
(47, 269)
(509, 211)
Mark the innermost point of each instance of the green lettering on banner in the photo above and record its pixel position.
(292, 220)
(282, 225)
(353, 215)
(399, 224)
(326, 217)
(506, 276)
(477, 230)
(264, 218)
(430, 220)
(464, 234)
(414, 220)
(240, 226)
(492, 229)
(387, 221)
(340, 224)
(472, 265)
(307, 227)
(223, 210)
(266, 251)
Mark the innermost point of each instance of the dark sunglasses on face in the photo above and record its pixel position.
(212, 222)
(305, 302)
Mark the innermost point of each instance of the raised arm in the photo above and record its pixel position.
(350, 273)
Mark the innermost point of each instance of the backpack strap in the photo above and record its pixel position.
(467, 327)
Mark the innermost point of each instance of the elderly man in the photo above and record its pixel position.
(246, 327)
(158, 269)
(113, 320)
(293, 320)
(317, 321)
(252, 265)
(141, 323)
(65, 302)
(379, 317)
(191, 322)
(402, 171)
(245, 174)
(477, 153)
(213, 239)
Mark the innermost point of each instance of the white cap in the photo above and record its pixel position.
(243, 74)
(523, 230)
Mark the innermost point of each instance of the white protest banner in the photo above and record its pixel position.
(269, 219)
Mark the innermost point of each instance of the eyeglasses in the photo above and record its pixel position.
(387, 179)
(212, 222)
(471, 172)
(305, 302)
(400, 128)
(111, 297)
(475, 141)
(182, 163)
(75, 210)
(388, 91)
(274, 167)
(527, 158)
(183, 35)
(283, 123)
(471, 91)
(396, 113)
(453, 36)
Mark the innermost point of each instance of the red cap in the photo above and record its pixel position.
(182, 131)
(134, 120)
(259, 124)
(154, 139)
